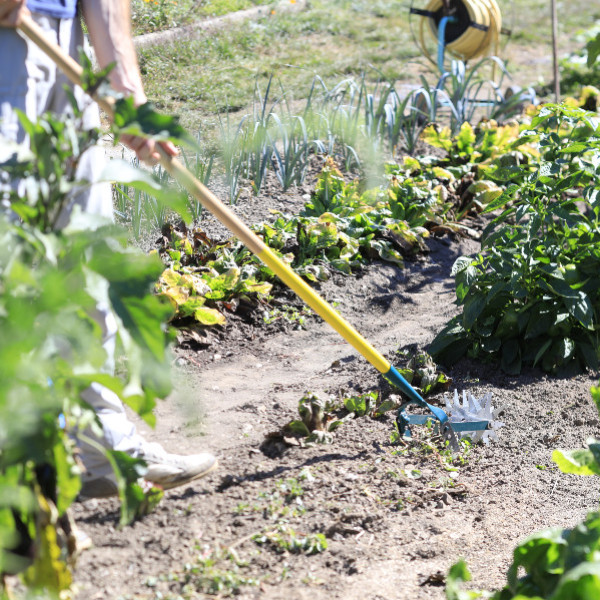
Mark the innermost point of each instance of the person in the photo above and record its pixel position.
(31, 82)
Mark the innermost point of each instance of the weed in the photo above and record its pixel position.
(216, 572)
(284, 539)
(291, 489)
(289, 314)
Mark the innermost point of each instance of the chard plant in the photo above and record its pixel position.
(204, 279)
(318, 419)
(338, 230)
(478, 145)
(531, 296)
(423, 374)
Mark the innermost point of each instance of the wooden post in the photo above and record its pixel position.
(555, 51)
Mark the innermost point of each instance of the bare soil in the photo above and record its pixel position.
(394, 518)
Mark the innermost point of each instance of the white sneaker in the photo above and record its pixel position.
(164, 469)
(172, 470)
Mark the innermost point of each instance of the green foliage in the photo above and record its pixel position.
(145, 121)
(318, 419)
(531, 296)
(339, 229)
(52, 351)
(361, 405)
(51, 283)
(354, 124)
(205, 279)
(284, 539)
(459, 573)
(479, 145)
(289, 314)
(46, 169)
(144, 199)
(218, 572)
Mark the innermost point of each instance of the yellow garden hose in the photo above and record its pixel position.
(474, 30)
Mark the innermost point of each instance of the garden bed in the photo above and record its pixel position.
(360, 517)
(393, 518)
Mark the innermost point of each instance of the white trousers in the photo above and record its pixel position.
(31, 82)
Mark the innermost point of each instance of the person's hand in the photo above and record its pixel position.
(146, 150)
(11, 12)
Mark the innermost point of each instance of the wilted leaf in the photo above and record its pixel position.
(209, 316)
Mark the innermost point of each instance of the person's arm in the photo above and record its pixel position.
(11, 12)
(109, 27)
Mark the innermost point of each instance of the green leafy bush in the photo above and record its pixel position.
(531, 296)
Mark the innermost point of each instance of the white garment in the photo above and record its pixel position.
(31, 82)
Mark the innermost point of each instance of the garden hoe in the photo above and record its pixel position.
(468, 417)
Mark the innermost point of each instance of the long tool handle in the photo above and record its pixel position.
(209, 201)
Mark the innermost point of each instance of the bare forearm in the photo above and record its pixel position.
(109, 26)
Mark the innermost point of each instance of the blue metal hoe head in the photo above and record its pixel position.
(447, 425)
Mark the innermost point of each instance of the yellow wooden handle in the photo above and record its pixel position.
(209, 201)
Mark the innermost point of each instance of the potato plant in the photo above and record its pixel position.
(531, 296)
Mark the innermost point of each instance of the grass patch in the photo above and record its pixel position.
(202, 79)
(158, 15)
(217, 74)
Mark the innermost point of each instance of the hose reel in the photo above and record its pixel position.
(465, 28)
